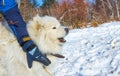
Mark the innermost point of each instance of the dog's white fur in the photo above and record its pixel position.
(45, 32)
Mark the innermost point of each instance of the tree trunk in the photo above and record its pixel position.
(104, 10)
(117, 7)
(111, 9)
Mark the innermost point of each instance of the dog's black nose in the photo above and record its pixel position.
(67, 30)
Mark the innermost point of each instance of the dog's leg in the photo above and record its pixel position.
(46, 70)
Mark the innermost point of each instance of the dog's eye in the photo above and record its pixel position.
(54, 27)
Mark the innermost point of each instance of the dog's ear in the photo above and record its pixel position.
(34, 25)
(38, 22)
(36, 18)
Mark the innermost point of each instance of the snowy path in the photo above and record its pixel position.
(91, 52)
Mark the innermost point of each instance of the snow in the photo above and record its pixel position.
(93, 51)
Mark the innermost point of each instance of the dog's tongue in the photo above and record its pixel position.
(62, 40)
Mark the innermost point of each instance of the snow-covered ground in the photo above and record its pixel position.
(93, 51)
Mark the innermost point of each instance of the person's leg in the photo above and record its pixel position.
(18, 26)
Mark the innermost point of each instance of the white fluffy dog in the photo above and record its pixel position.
(46, 32)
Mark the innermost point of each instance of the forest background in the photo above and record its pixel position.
(75, 13)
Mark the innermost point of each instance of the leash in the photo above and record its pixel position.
(56, 55)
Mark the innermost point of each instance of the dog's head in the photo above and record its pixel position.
(48, 31)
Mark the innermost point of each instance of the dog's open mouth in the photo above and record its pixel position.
(62, 40)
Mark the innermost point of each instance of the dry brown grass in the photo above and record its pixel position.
(94, 23)
(82, 24)
(29, 11)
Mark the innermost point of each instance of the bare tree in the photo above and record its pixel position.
(110, 7)
(117, 4)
